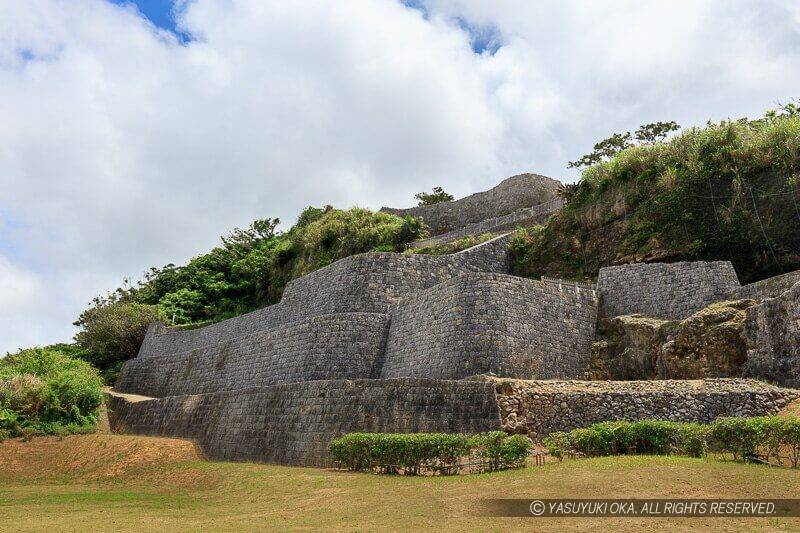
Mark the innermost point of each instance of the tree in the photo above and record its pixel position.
(438, 195)
(655, 132)
(241, 241)
(608, 148)
(605, 149)
(182, 306)
(115, 331)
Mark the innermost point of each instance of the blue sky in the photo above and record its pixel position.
(159, 12)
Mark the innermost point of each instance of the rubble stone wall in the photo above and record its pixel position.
(541, 407)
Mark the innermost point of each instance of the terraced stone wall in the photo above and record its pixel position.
(482, 323)
(294, 423)
(367, 283)
(340, 346)
(512, 194)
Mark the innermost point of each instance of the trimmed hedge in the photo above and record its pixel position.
(759, 438)
(439, 453)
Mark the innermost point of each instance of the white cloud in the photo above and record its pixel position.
(121, 149)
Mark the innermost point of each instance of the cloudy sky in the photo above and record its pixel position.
(133, 134)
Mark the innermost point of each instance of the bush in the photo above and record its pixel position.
(43, 390)
(758, 438)
(413, 453)
(737, 435)
(115, 331)
(557, 444)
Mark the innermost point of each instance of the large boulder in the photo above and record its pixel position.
(708, 344)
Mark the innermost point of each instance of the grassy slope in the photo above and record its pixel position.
(125, 483)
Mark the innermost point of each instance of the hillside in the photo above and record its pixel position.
(728, 191)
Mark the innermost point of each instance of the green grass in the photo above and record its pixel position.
(163, 491)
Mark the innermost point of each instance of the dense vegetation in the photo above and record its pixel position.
(441, 453)
(46, 391)
(764, 438)
(727, 191)
(247, 271)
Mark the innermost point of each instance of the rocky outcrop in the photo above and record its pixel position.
(537, 408)
(772, 329)
(710, 343)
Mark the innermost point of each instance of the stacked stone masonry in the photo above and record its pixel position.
(523, 217)
(491, 323)
(367, 283)
(664, 290)
(373, 342)
(294, 423)
(340, 346)
(512, 194)
(541, 407)
(767, 288)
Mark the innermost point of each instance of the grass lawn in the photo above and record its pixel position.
(126, 483)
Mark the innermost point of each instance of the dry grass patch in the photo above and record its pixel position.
(170, 490)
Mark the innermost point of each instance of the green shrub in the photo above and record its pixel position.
(737, 435)
(557, 444)
(791, 438)
(759, 438)
(691, 439)
(43, 390)
(412, 453)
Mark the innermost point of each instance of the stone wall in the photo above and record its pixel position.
(665, 290)
(767, 288)
(294, 423)
(482, 323)
(536, 214)
(772, 330)
(340, 346)
(368, 283)
(512, 194)
(541, 407)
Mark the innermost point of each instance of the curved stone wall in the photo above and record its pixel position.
(665, 290)
(541, 407)
(512, 194)
(522, 217)
(341, 346)
(294, 423)
(482, 323)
